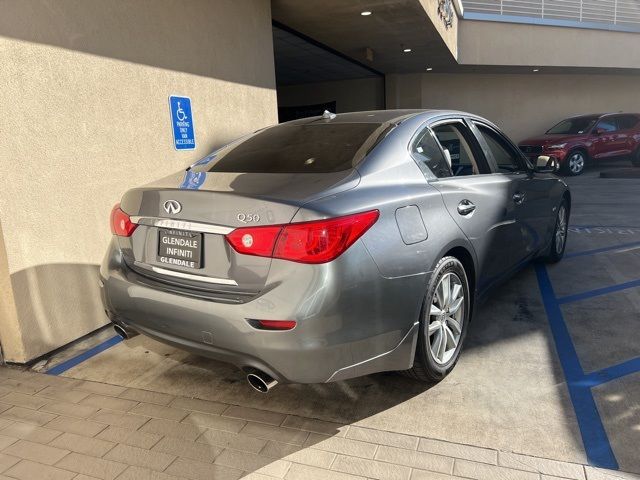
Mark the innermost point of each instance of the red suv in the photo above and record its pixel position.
(577, 140)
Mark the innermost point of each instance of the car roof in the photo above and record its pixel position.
(377, 116)
(587, 115)
(600, 115)
(620, 113)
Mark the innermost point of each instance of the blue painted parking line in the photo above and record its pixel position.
(72, 362)
(612, 373)
(594, 436)
(604, 226)
(595, 251)
(598, 291)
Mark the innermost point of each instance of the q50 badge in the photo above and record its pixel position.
(248, 217)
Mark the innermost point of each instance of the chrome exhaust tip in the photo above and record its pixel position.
(261, 382)
(124, 333)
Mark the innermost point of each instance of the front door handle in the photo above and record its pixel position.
(518, 197)
(466, 207)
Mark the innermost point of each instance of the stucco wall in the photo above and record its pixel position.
(349, 95)
(522, 105)
(500, 43)
(85, 86)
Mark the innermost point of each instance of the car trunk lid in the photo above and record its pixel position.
(182, 221)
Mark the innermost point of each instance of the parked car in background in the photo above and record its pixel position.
(576, 141)
(333, 247)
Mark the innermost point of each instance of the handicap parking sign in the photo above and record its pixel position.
(184, 137)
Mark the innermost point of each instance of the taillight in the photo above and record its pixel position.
(254, 241)
(318, 241)
(121, 223)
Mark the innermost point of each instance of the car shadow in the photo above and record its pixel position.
(507, 391)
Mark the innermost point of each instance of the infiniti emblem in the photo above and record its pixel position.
(172, 207)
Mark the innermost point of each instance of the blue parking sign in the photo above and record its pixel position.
(184, 137)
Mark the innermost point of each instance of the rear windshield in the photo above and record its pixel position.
(574, 126)
(315, 148)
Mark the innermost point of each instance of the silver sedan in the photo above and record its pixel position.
(333, 247)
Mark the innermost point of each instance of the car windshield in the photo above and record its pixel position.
(293, 148)
(574, 126)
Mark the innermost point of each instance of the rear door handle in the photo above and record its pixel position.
(518, 197)
(466, 207)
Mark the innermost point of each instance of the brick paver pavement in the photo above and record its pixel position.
(57, 428)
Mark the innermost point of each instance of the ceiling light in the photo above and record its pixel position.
(366, 13)
(429, 69)
(406, 50)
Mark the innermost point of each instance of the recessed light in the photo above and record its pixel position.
(366, 13)
(406, 50)
(536, 69)
(429, 69)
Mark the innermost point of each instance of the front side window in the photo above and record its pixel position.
(291, 148)
(428, 155)
(607, 125)
(457, 150)
(505, 156)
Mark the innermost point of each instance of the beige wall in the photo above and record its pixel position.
(85, 86)
(349, 95)
(523, 105)
(498, 43)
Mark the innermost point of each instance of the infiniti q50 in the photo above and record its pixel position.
(333, 247)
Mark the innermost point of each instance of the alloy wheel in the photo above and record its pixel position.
(576, 162)
(561, 229)
(446, 318)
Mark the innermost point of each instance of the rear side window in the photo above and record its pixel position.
(625, 122)
(310, 148)
(428, 155)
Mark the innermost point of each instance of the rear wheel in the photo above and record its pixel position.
(443, 322)
(559, 239)
(576, 162)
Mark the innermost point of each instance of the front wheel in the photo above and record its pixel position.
(576, 162)
(443, 322)
(559, 239)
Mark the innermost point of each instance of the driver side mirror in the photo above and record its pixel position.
(546, 164)
(598, 131)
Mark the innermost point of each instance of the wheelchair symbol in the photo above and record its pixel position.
(180, 114)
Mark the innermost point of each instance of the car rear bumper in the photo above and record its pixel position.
(351, 321)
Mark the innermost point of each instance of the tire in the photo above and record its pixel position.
(559, 238)
(635, 158)
(434, 360)
(575, 162)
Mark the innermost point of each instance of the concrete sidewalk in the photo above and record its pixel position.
(59, 428)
